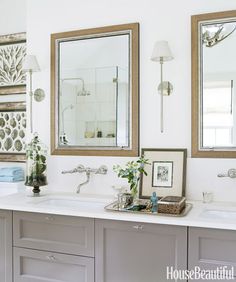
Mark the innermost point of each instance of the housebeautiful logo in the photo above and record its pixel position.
(220, 273)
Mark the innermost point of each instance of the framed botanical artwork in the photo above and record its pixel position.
(162, 174)
(12, 131)
(166, 173)
(12, 54)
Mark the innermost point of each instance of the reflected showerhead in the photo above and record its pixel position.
(83, 92)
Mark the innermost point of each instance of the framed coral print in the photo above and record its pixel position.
(12, 131)
(166, 174)
(12, 54)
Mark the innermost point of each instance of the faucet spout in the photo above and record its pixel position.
(85, 182)
(88, 170)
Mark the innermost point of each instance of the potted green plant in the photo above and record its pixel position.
(36, 164)
(132, 172)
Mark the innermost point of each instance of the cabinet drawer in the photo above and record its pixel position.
(212, 248)
(64, 234)
(137, 252)
(41, 266)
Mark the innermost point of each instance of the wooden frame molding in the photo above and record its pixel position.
(196, 151)
(134, 66)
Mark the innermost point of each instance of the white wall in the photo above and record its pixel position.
(13, 16)
(159, 20)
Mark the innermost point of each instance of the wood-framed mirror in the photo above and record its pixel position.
(214, 85)
(95, 91)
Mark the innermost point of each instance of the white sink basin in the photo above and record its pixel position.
(82, 203)
(219, 214)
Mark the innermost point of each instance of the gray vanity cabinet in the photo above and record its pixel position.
(40, 266)
(212, 248)
(5, 246)
(53, 248)
(137, 252)
(65, 234)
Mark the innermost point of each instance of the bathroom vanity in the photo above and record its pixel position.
(66, 248)
(72, 245)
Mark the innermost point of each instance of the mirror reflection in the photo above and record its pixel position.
(218, 102)
(95, 91)
(213, 85)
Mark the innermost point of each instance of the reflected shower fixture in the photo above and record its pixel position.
(83, 91)
(63, 138)
(215, 33)
(31, 65)
(71, 107)
(161, 53)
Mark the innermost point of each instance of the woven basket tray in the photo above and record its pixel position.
(171, 205)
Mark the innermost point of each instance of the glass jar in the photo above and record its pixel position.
(36, 165)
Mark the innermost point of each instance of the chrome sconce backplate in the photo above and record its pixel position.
(167, 88)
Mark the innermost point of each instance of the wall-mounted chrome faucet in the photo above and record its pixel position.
(80, 169)
(231, 173)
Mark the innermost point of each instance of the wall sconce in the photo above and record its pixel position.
(31, 65)
(161, 53)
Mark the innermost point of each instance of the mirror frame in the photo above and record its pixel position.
(134, 92)
(196, 79)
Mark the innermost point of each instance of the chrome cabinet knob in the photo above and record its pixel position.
(51, 257)
(138, 227)
(49, 218)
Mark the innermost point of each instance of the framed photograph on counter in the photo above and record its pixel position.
(167, 173)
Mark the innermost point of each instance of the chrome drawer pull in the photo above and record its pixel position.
(52, 258)
(138, 227)
(49, 218)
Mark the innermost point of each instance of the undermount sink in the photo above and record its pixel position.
(219, 214)
(82, 203)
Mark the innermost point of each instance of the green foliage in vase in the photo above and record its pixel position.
(37, 164)
(132, 172)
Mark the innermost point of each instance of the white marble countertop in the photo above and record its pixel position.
(23, 202)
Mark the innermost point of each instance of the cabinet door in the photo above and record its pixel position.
(212, 248)
(41, 266)
(65, 234)
(5, 246)
(137, 252)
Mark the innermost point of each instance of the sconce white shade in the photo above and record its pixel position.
(30, 64)
(161, 50)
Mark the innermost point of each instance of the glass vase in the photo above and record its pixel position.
(134, 193)
(36, 165)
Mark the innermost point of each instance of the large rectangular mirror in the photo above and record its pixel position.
(213, 85)
(94, 85)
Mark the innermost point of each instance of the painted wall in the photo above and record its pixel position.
(13, 16)
(159, 20)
